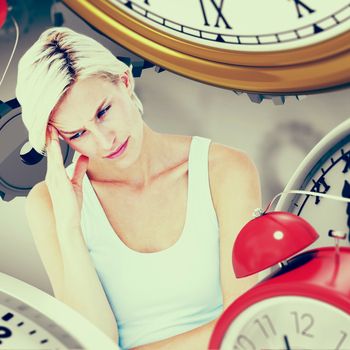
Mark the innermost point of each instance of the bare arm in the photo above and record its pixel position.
(196, 339)
(82, 288)
(68, 264)
(53, 210)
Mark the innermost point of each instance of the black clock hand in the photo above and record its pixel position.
(346, 159)
(346, 193)
(286, 342)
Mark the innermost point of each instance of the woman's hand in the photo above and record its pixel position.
(66, 194)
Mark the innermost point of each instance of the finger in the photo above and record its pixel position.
(48, 135)
(54, 145)
(80, 170)
(54, 153)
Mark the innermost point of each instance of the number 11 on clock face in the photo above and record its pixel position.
(290, 323)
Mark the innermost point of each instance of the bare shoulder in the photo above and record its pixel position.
(39, 211)
(227, 163)
(39, 189)
(235, 189)
(38, 207)
(39, 196)
(233, 176)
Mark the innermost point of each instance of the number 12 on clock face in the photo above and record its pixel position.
(289, 322)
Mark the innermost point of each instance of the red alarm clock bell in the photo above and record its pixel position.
(3, 12)
(305, 304)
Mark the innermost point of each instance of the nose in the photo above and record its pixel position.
(105, 140)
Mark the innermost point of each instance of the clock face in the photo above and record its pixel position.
(248, 25)
(325, 170)
(32, 319)
(22, 327)
(289, 322)
(271, 46)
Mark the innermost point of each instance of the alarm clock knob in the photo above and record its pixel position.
(268, 240)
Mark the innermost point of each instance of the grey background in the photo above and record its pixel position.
(277, 138)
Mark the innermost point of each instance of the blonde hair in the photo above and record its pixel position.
(49, 68)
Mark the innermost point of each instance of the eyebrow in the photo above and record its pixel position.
(97, 111)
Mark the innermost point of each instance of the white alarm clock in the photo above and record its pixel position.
(32, 319)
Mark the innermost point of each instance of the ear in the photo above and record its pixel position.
(126, 81)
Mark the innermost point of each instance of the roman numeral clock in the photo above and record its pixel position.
(265, 48)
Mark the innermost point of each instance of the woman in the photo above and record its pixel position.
(140, 241)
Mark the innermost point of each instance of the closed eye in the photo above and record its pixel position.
(100, 115)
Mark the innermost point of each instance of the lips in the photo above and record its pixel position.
(120, 149)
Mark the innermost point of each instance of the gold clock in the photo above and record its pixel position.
(270, 46)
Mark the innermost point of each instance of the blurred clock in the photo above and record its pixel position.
(275, 46)
(32, 319)
(326, 170)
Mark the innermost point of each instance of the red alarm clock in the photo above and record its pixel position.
(3, 12)
(305, 304)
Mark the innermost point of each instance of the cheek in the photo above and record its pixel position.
(80, 148)
(133, 121)
(84, 148)
(75, 146)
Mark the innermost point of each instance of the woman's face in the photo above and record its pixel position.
(97, 116)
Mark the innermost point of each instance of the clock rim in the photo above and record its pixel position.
(336, 135)
(301, 69)
(306, 280)
(263, 291)
(324, 49)
(229, 315)
(78, 327)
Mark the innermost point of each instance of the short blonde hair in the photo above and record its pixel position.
(49, 68)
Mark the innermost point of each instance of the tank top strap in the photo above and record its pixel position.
(199, 185)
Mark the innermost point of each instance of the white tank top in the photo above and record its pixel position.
(159, 295)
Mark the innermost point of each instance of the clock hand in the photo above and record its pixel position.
(286, 342)
(346, 193)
